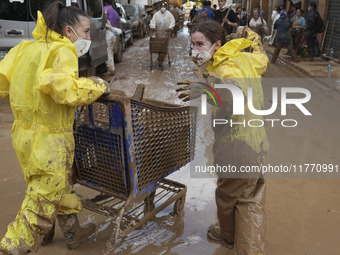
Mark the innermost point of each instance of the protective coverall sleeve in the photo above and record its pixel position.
(153, 21)
(58, 80)
(6, 70)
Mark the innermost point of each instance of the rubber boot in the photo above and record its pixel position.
(72, 231)
(48, 237)
(294, 56)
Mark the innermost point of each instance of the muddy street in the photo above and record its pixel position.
(302, 214)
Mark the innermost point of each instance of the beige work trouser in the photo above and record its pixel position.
(240, 211)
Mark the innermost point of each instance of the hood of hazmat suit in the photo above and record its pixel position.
(41, 80)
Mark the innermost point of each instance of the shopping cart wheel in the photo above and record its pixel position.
(179, 205)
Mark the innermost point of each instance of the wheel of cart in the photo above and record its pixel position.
(159, 43)
(125, 148)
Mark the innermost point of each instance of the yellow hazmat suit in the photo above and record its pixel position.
(41, 80)
(240, 201)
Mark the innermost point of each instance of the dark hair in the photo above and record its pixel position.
(206, 3)
(57, 16)
(108, 2)
(300, 11)
(212, 30)
(313, 5)
(278, 9)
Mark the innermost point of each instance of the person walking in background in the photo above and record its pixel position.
(240, 200)
(310, 30)
(283, 37)
(163, 21)
(41, 80)
(258, 24)
(298, 24)
(241, 17)
(112, 19)
(193, 13)
(205, 14)
(177, 15)
(261, 12)
(275, 16)
(230, 22)
(291, 12)
(111, 15)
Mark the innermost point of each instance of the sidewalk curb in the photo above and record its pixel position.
(299, 69)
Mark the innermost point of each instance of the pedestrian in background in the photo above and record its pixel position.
(40, 78)
(112, 19)
(110, 14)
(275, 16)
(241, 17)
(204, 14)
(163, 21)
(229, 22)
(261, 12)
(258, 24)
(192, 13)
(298, 24)
(310, 30)
(283, 37)
(291, 12)
(240, 200)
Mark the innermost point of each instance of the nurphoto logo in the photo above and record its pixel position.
(238, 98)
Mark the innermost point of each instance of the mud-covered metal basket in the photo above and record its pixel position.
(125, 146)
(159, 43)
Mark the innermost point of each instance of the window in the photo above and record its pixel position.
(14, 11)
(131, 10)
(94, 8)
(36, 5)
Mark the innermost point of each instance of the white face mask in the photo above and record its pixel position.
(163, 9)
(82, 45)
(201, 56)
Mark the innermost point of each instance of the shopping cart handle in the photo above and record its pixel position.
(139, 92)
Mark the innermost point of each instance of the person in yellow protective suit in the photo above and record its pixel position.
(239, 198)
(40, 78)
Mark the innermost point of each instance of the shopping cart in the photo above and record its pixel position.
(159, 43)
(125, 147)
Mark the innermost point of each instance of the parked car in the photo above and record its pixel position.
(136, 15)
(18, 20)
(124, 25)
